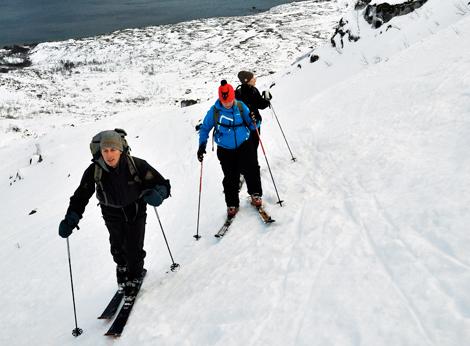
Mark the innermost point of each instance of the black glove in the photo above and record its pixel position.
(155, 196)
(267, 95)
(201, 151)
(67, 225)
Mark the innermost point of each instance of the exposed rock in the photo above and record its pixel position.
(376, 15)
(15, 57)
(314, 58)
(361, 4)
(186, 103)
(20, 49)
(341, 31)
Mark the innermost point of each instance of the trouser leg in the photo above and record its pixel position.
(231, 169)
(249, 163)
(135, 236)
(127, 244)
(255, 140)
(116, 241)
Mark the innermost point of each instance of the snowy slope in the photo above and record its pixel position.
(371, 247)
(80, 80)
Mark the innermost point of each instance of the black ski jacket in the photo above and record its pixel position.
(118, 187)
(252, 98)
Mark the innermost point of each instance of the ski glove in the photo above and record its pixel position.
(155, 196)
(267, 95)
(201, 151)
(67, 225)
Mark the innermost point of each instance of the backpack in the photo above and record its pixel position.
(239, 96)
(95, 143)
(96, 153)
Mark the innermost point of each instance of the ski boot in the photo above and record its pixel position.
(256, 200)
(232, 211)
(121, 276)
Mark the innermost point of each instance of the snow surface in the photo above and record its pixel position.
(371, 247)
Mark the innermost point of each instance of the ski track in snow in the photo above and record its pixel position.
(353, 207)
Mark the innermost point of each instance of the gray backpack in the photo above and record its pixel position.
(99, 162)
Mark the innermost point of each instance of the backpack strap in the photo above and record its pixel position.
(133, 169)
(216, 121)
(240, 109)
(217, 116)
(98, 173)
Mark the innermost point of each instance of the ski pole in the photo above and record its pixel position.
(197, 236)
(280, 127)
(267, 163)
(77, 331)
(175, 266)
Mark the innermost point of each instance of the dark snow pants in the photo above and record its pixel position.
(233, 161)
(126, 228)
(255, 140)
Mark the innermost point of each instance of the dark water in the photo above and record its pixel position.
(30, 21)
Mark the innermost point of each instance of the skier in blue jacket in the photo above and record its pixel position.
(232, 122)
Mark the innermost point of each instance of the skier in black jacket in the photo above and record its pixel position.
(125, 186)
(250, 95)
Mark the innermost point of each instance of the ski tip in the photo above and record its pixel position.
(115, 335)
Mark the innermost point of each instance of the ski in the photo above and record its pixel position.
(264, 215)
(121, 319)
(113, 306)
(225, 227)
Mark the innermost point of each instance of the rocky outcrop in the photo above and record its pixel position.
(187, 103)
(361, 4)
(314, 58)
(340, 31)
(15, 57)
(376, 15)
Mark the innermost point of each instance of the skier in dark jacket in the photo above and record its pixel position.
(250, 95)
(235, 152)
(125, 187)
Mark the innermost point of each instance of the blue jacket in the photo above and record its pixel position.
(232, 128)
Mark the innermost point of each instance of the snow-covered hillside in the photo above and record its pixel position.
(81, 80)
(371, 247)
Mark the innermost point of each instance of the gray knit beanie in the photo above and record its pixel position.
(245, 76)
(111, 139)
